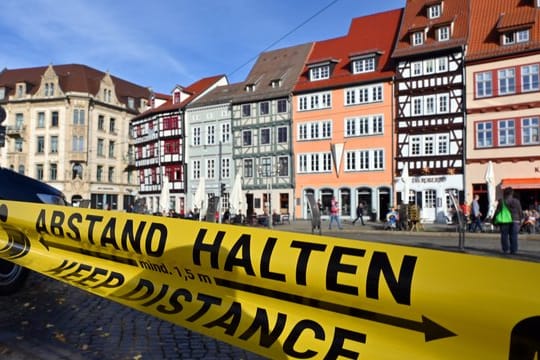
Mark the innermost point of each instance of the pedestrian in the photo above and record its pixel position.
(359, 213)
(509, 230)
(334, 214)
(476, 215)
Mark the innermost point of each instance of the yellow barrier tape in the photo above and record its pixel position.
(286, 295)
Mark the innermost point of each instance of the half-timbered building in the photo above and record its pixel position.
(261, 125)
(159, 137)
(430, 104)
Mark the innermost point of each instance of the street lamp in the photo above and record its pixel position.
(264, 171)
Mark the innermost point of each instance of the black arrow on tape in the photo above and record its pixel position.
(431, 330)
(122, 260)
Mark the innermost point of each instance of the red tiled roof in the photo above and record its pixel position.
(415, 18)
(517, 18)
(488, 22)
(195, 89)
(375, 33)
(72, 78)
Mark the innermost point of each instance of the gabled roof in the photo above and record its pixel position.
(281, 65)
(72, 78)
(497, 18)
(415, 18)
(218, 95)
(196, 89)
(368, 35)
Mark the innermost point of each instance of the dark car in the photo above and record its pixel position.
(18, 187)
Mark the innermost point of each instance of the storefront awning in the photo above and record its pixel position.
(521, 183)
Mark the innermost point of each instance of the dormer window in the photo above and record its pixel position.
(176, 97)
(107, 95)
(537, 3)
(275, 83)
(417, 38)
(250, 88)
(2, 93)
(131, 102)
(49, 89)
(319, 73)
(443, 33)
(434, 11)
(20, 90)
(363, 65)
(513, 37)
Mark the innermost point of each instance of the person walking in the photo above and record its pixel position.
(510, 230)
(476, 215)
(334, 214)
(359, 213)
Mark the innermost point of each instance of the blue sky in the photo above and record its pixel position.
(163, 43)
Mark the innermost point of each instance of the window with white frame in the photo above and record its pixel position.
(364, 125)
(225, 168)
(196, 136)
(418, 106)
(417, 68)
(247, 168)
(315, 101)
(283, 134)
(196, 169)
(282, 105)
(283, 168)
(443, 144)
(364, 94)
(264, 108)
(314, 162)
(530, 130)
(415, 144)
(429, 145)
(417, 38)
(364, 160)
(507, 132)
(512, 37)
(426, 145)
(319, 72)
(443, 33)
(442, 64)
(210, 135)
(210, 168)
(247, 138)
(266, 167)
(434, 11)
(507, 81)
(444, 103)
(429, 105)
(225, 133)
(529, 78)
(484, 84)
(246, 110)
(429, 66)
(430, 199)
(484, 134)
(265, 136)
(315, 130)
(363, 65)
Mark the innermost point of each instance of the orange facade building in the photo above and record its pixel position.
(342, 120)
